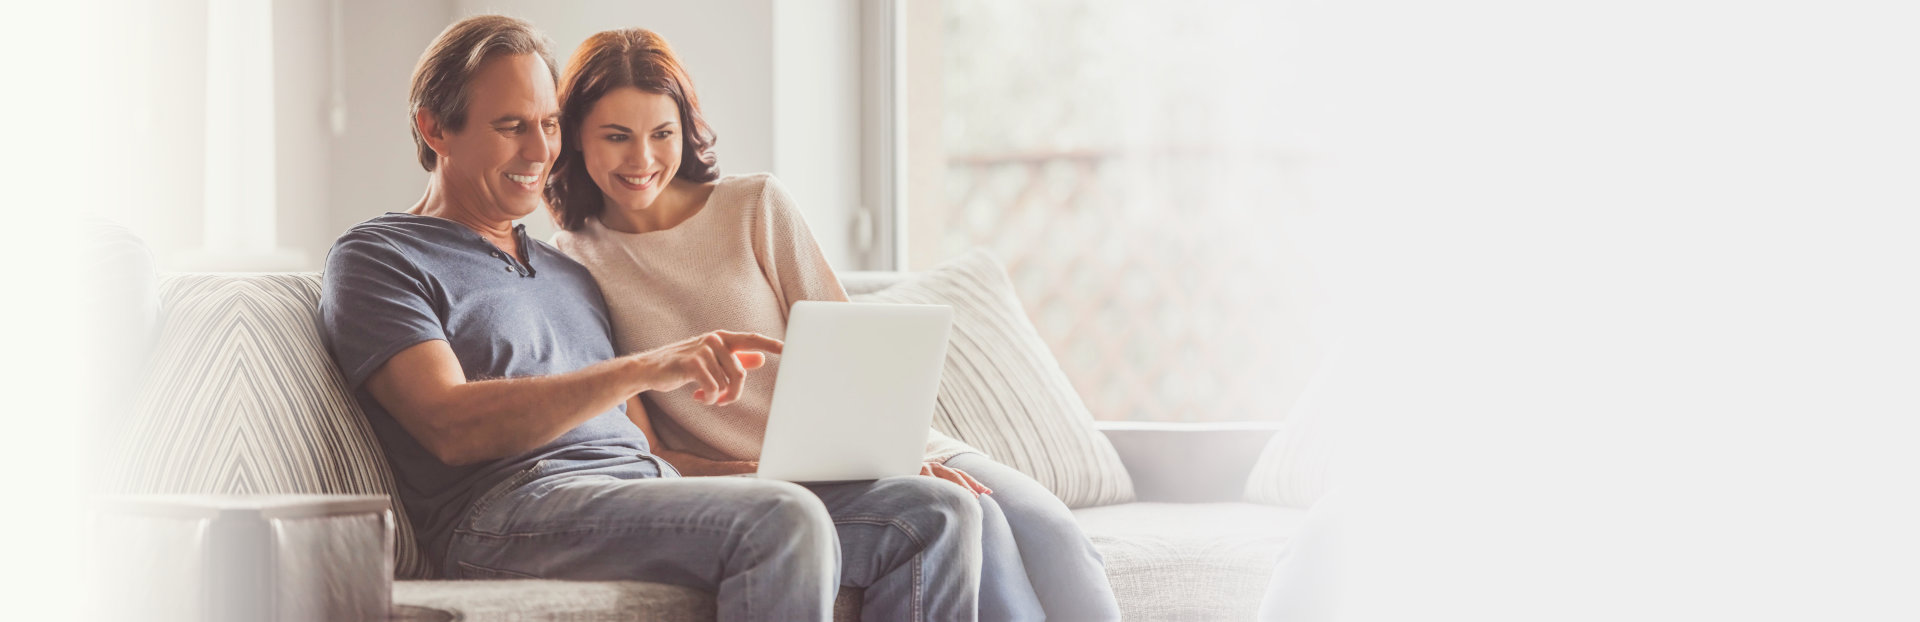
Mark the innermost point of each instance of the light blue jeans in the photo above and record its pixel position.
(1034, 548)
(768, 550)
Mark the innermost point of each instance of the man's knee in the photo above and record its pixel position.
(789, 508)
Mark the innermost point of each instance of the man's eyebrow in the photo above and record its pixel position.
(516, 118)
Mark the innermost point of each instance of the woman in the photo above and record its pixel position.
(679, 250)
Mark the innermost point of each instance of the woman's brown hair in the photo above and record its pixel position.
(609, 60)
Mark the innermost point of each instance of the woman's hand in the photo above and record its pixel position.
(716, 362)
(957, 476)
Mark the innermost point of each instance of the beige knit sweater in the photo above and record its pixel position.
(738, 264)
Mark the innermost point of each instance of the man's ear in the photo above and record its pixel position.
(432, 132)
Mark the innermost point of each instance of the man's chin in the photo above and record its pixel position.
(521, 209)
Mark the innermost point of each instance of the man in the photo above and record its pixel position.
(485, 364)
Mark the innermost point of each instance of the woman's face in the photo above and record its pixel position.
(630, 142)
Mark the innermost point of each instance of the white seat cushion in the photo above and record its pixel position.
(1190, 561)
(541, 599)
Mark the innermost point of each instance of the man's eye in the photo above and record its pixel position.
(513, 129)
(550, 127)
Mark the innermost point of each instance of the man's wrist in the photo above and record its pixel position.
(640, 374)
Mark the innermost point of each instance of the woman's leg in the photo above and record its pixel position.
(1005, 591)
(1066, 572)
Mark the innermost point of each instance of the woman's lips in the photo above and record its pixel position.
(638, 183)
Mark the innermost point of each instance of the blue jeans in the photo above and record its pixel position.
(1065, 572)
(768, 550)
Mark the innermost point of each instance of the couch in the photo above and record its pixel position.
(241, 398)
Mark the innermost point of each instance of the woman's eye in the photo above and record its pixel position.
(662, 135)
(618, 138)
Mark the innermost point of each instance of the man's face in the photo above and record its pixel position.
(497, 165)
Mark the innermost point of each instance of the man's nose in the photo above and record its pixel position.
(540, 148)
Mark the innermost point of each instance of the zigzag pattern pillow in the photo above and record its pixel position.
(1002, 391)
(243, 399)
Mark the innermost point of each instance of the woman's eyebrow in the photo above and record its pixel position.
(617, 126)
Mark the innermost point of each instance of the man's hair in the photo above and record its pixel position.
(610, 60)
(440, 78)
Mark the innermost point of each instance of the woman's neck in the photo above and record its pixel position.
(677, 202)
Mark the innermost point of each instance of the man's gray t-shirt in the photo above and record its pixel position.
(399, 280)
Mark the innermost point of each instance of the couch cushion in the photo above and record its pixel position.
(1190, 561)
(243, 399)
(541, 599)
(1002, 391)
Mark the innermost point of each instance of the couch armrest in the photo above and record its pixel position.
(1189, 462)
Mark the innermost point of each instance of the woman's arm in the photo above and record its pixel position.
(789, 254)
(688, 464)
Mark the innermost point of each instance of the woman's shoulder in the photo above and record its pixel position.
(754, 191)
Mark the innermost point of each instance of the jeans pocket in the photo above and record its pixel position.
(478, 510)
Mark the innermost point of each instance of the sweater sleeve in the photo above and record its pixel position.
(941, 447)
(789, 255)
(798, 271)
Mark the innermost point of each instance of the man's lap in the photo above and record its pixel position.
(599, 526)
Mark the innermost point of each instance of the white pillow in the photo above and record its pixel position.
(1295, 467)
(1003, 392)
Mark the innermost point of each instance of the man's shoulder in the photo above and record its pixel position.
(396, 229)
(388, 238)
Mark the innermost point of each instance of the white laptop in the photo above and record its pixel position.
(855, 392)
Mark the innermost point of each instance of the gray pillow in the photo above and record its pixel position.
(1003, 392)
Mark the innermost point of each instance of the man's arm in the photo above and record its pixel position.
(462, 422)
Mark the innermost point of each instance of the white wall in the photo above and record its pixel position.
(816, 118)
(371, 165)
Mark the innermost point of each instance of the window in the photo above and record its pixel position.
(1134, 165)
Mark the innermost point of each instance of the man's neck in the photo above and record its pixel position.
(438, 204)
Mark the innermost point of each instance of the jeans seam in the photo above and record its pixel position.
(495, 570)
(703, 527)
(919, 611)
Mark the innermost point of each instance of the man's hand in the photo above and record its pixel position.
(716, 363)
(957, 476)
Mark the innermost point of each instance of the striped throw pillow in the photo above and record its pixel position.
(1002, 391)
(243, 399)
